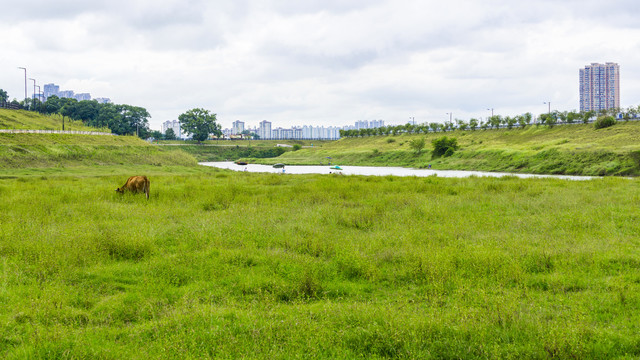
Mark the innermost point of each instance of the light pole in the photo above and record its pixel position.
(491, 111)
(34, 92)
(450, 117)
(413, 119)
(39, 96)
(548, 102)
(25, 83)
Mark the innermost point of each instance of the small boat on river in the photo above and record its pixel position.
(241, 162)
(278, 165)
(335, 167)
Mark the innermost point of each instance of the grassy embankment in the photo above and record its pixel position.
(30, 151)
(241, 265)
(570, 149)
(28, 120)
(226, 150)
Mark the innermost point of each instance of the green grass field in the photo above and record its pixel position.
(238, 265)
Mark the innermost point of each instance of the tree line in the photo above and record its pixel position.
(494, 122)
(121, 119)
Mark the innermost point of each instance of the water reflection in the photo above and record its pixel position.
(375, 171)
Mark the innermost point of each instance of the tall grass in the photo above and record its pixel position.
(229, 265)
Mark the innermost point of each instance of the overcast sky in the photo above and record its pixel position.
(321, 62)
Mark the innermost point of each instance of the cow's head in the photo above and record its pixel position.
(120, 190)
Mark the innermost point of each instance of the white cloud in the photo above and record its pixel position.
(321, 62)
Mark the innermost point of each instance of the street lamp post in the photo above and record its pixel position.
(548, 102)
(413, 119)
(25, 83)
(491, 111)
(33, 100)
(39, 96)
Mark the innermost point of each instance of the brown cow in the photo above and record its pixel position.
(136, 184)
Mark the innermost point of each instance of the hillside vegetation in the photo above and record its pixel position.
(29, 120)
(65, 150)
(569, 149)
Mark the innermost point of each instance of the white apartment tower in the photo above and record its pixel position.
(264, 132)
(175, 125)
(238, 127)
(600, 87)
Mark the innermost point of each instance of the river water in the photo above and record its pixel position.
(376, 171)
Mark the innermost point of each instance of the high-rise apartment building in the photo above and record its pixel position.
(238, 127)
(600, 87)
(264, 132)
(174, 125)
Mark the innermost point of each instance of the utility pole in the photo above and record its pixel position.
(39, 100)
(33, 100)
(25, 83)
(491, 111)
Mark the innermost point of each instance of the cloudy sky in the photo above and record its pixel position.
(321, 62)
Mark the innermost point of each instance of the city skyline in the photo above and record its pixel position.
(322, 63)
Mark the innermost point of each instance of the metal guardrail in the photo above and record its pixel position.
(72, 132)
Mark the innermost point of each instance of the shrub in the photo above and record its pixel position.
(604, 121)
(417, 145)
(390, 140)
(444, 146)
(297, 147)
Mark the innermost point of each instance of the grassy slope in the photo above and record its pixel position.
(241, 265)
(22, 119)
(571, 149)
(19, 151)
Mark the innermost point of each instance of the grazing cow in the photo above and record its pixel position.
(136, 184)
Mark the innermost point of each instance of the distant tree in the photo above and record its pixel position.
(156, 134)
(572, 116)
(170, 134)
(87, 111)
(434, 126)
(561, 116)
(511, 121)
(549, 119)
(52, 105)
(200, 123)
(630, 113)
(587, 115)
(495, 121)
(297, 147)
(108, 115)
(473, 124)
(417, 144)
(3, 96)
(444, 146)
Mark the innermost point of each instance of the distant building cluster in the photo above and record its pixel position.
(600, 87)
(175, 125)
(53, 89)
(266, 131)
